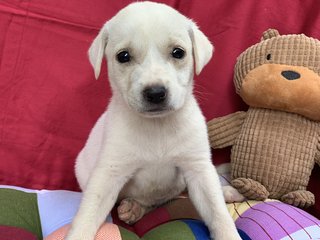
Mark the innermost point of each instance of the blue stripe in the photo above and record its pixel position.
(243, 235)
(201, 232)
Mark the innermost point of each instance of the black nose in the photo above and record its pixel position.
(290, 75)
(155, 94)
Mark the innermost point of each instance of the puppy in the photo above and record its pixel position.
(151, 143)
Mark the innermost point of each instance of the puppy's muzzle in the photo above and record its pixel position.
(155, 94)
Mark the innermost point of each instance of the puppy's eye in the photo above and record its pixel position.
(123, 57)
(269, 56)
(178, 53)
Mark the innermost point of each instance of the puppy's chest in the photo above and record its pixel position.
(157, 152)
(158, 145)
(154, 184)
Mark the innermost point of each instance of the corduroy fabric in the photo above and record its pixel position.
(273, 153)
(275, 144)
(276, 149)
(224, 130)
(294, 49)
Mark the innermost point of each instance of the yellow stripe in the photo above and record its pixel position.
(237, 209)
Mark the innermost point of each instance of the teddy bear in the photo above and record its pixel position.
(276, 142)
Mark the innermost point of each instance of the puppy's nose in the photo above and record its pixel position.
(290, 75)
(155, 94)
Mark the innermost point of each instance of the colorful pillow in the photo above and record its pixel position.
(271, 219)
(174, 230)
(48, 213)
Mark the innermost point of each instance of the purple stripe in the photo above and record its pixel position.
(303, 218)
(302, 213)
(243, 223)
(278, 220)
(252, 228)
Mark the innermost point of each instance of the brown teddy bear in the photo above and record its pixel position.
(276, 143)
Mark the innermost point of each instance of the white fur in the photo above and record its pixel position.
(149, 156)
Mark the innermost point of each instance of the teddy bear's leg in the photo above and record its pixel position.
(299, 198)
(250, 188)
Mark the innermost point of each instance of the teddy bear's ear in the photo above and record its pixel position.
(270, 33)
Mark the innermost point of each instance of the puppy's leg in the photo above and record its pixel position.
(206, 194)
(99, 197)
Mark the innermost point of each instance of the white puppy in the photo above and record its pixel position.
(152, 142)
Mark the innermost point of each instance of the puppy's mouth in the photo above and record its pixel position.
(156, 111)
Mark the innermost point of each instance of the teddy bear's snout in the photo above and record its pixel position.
(290, 75)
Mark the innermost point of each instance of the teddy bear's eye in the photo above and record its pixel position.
(269, 56)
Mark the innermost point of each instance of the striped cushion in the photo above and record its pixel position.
(274, 220)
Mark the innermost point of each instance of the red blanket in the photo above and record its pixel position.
(49, 99)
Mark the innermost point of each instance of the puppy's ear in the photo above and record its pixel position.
(202, 48)
(96, 50)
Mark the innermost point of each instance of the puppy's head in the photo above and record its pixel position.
(152, 51)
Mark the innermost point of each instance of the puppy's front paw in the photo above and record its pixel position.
(130, 211)
(232, 195)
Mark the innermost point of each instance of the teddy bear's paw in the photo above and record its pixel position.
(299, 198)
(250, 188)
(130, 211)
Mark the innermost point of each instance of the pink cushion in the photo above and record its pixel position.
(107, 231)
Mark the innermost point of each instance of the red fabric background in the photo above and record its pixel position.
(49, 99)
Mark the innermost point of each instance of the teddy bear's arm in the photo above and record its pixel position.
(224, 130)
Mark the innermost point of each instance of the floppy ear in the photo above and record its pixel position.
(202, 48)
(96, 50)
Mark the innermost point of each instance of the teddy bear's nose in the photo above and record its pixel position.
(290, 75)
